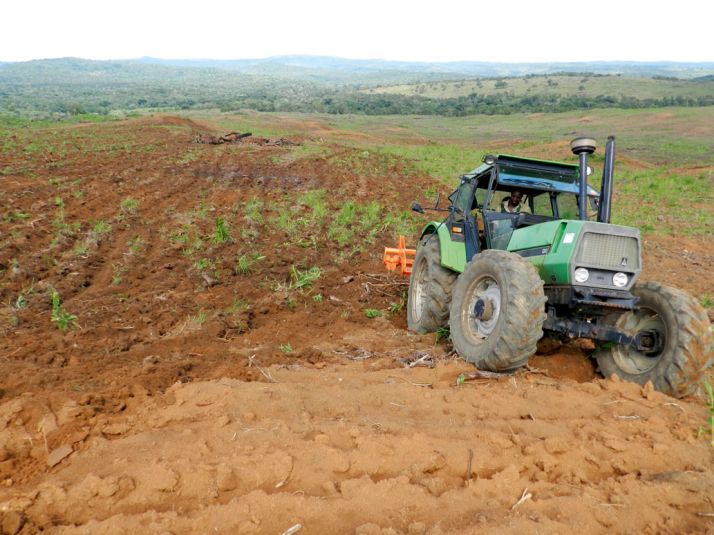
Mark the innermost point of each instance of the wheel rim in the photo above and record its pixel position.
(418, 298)
(483, 308)
(628, 358)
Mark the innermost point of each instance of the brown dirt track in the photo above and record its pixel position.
(146, 419)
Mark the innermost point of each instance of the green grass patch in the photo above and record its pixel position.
(662, 202)
(304, 279)
(221, 232)
(246, 263)
(128, 206)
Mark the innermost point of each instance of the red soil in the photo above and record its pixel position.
(163, 411)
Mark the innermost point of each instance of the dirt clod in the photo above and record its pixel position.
(57, 454)
(12, 522)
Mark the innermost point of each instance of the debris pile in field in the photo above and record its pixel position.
(230, 137)
(280, 142)
(237, 137)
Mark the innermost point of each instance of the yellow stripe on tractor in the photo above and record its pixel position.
(399, 257)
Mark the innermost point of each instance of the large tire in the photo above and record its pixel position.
(430, 288)
(687, 346)
(497, 311)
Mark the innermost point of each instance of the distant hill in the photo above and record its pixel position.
(334, 85)
(73, 69)
(357, 71)
(459, 68)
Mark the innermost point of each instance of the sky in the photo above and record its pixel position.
(440, 30)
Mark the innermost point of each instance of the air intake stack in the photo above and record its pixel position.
(582, 146)
(603, 212)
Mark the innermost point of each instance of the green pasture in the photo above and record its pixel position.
(586, 85)
(664, 166)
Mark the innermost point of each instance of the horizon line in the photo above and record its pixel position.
(374, 59)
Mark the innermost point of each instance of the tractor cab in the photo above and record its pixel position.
(548, 191)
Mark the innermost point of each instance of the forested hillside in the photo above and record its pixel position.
(70, 86)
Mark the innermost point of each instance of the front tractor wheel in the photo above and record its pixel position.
(682, 348)
(430, 289)
(497, 311)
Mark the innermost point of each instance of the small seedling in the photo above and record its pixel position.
(117, 271)
(238, 306)
(136, 244)
(200, 318)
(317, 298)
(20, 302)
(128, 206)
(81, 250)
(245, 263)
(310, 241)
(707, 301)
(196, 245)
(205, 263)
(460, 380)
(286, 348)
(248, 234)
(101, 227)
(202, 211)
(16, 216)
(710, 405)
(304, 279)
(221, 233)
(181, 236)
(396, 308)
(373, 313)
(59, 223)
(254, 211)
(442, 335)
(60, 316)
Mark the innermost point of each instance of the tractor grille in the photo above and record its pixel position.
(619, 253)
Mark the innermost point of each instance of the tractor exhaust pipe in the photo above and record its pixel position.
(603, 211)
(582, 146)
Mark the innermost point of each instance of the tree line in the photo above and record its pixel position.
(71, 87)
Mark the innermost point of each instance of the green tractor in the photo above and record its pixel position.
(527, 250)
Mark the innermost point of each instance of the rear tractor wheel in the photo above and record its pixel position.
(683, 348)
(430, 288)
(497, 311)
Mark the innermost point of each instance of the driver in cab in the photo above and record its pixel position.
(514, 204)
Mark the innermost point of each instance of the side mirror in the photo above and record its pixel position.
(416, 207)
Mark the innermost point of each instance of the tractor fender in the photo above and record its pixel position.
(453, 253)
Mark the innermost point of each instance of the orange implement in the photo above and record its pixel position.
(399, 257)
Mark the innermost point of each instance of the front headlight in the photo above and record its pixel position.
(619, 279)
(581, 274)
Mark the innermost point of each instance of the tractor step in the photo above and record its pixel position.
(399, 257)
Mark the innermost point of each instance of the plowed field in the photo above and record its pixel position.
(234, 359)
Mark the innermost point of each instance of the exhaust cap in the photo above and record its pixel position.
(583, 145)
